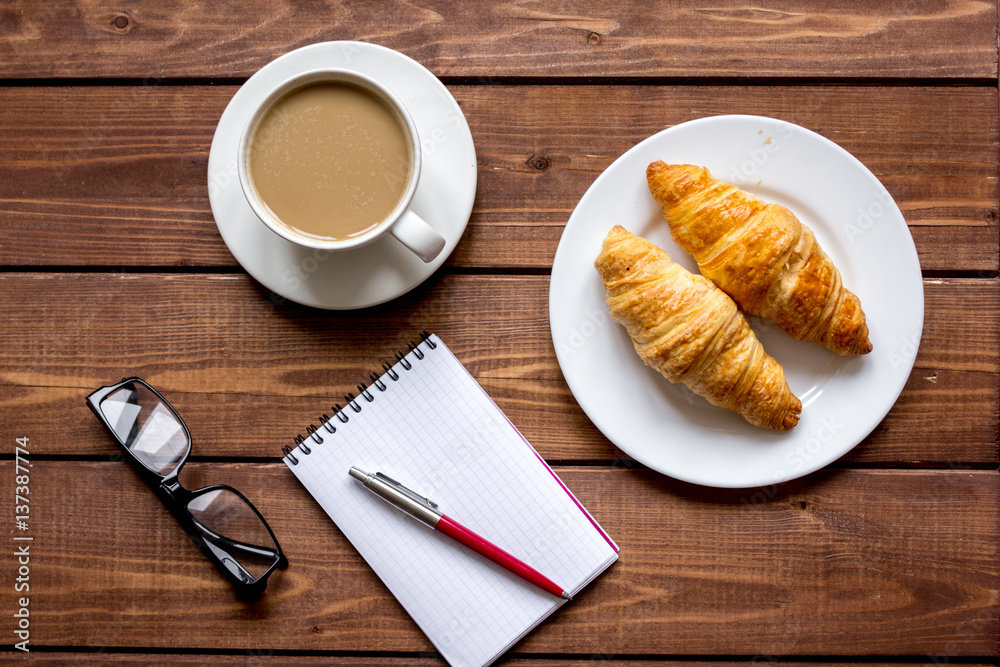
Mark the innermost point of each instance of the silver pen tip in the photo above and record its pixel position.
(566, 596)
(358, 474)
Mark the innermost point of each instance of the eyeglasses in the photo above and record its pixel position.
(221, 521)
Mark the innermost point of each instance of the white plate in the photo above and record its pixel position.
(665, 426)
(384, 269)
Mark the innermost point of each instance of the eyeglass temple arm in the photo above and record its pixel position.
(231, 565)
(234, 544)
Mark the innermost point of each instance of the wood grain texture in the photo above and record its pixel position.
(221, 333)
(220, 348)
(840, 563)
(116, 177)
(86, 38)
(264, 658)
(945, 418)
(900, 563)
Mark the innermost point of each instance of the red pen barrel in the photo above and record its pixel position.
(487, 549)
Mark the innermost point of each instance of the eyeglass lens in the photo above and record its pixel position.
(148, 427)
(231, 526)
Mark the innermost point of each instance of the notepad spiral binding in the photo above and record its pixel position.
(378, 382)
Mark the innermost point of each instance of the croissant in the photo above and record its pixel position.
(761, 255)
(688, 329)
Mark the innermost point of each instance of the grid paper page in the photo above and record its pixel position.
(437, 432)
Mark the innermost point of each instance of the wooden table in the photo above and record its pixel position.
(112, 265)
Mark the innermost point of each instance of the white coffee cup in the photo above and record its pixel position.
(409, 228)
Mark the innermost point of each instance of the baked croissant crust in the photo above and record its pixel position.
(761, 255)
(688, 329)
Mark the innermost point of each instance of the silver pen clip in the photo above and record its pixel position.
(412, 495)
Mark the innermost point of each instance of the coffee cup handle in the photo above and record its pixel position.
(419, 237)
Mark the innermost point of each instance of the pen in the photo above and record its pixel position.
(426, 511)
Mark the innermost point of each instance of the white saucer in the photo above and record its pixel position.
(384, 269)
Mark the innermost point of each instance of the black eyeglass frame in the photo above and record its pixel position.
(176, 498)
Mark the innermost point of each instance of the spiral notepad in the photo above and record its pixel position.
(427, 423)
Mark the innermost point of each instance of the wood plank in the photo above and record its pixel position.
(841, 563)
(503, 38)
(252, 658)
(942, 418)
(84, 170)
(225, 353)
(223, 334)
